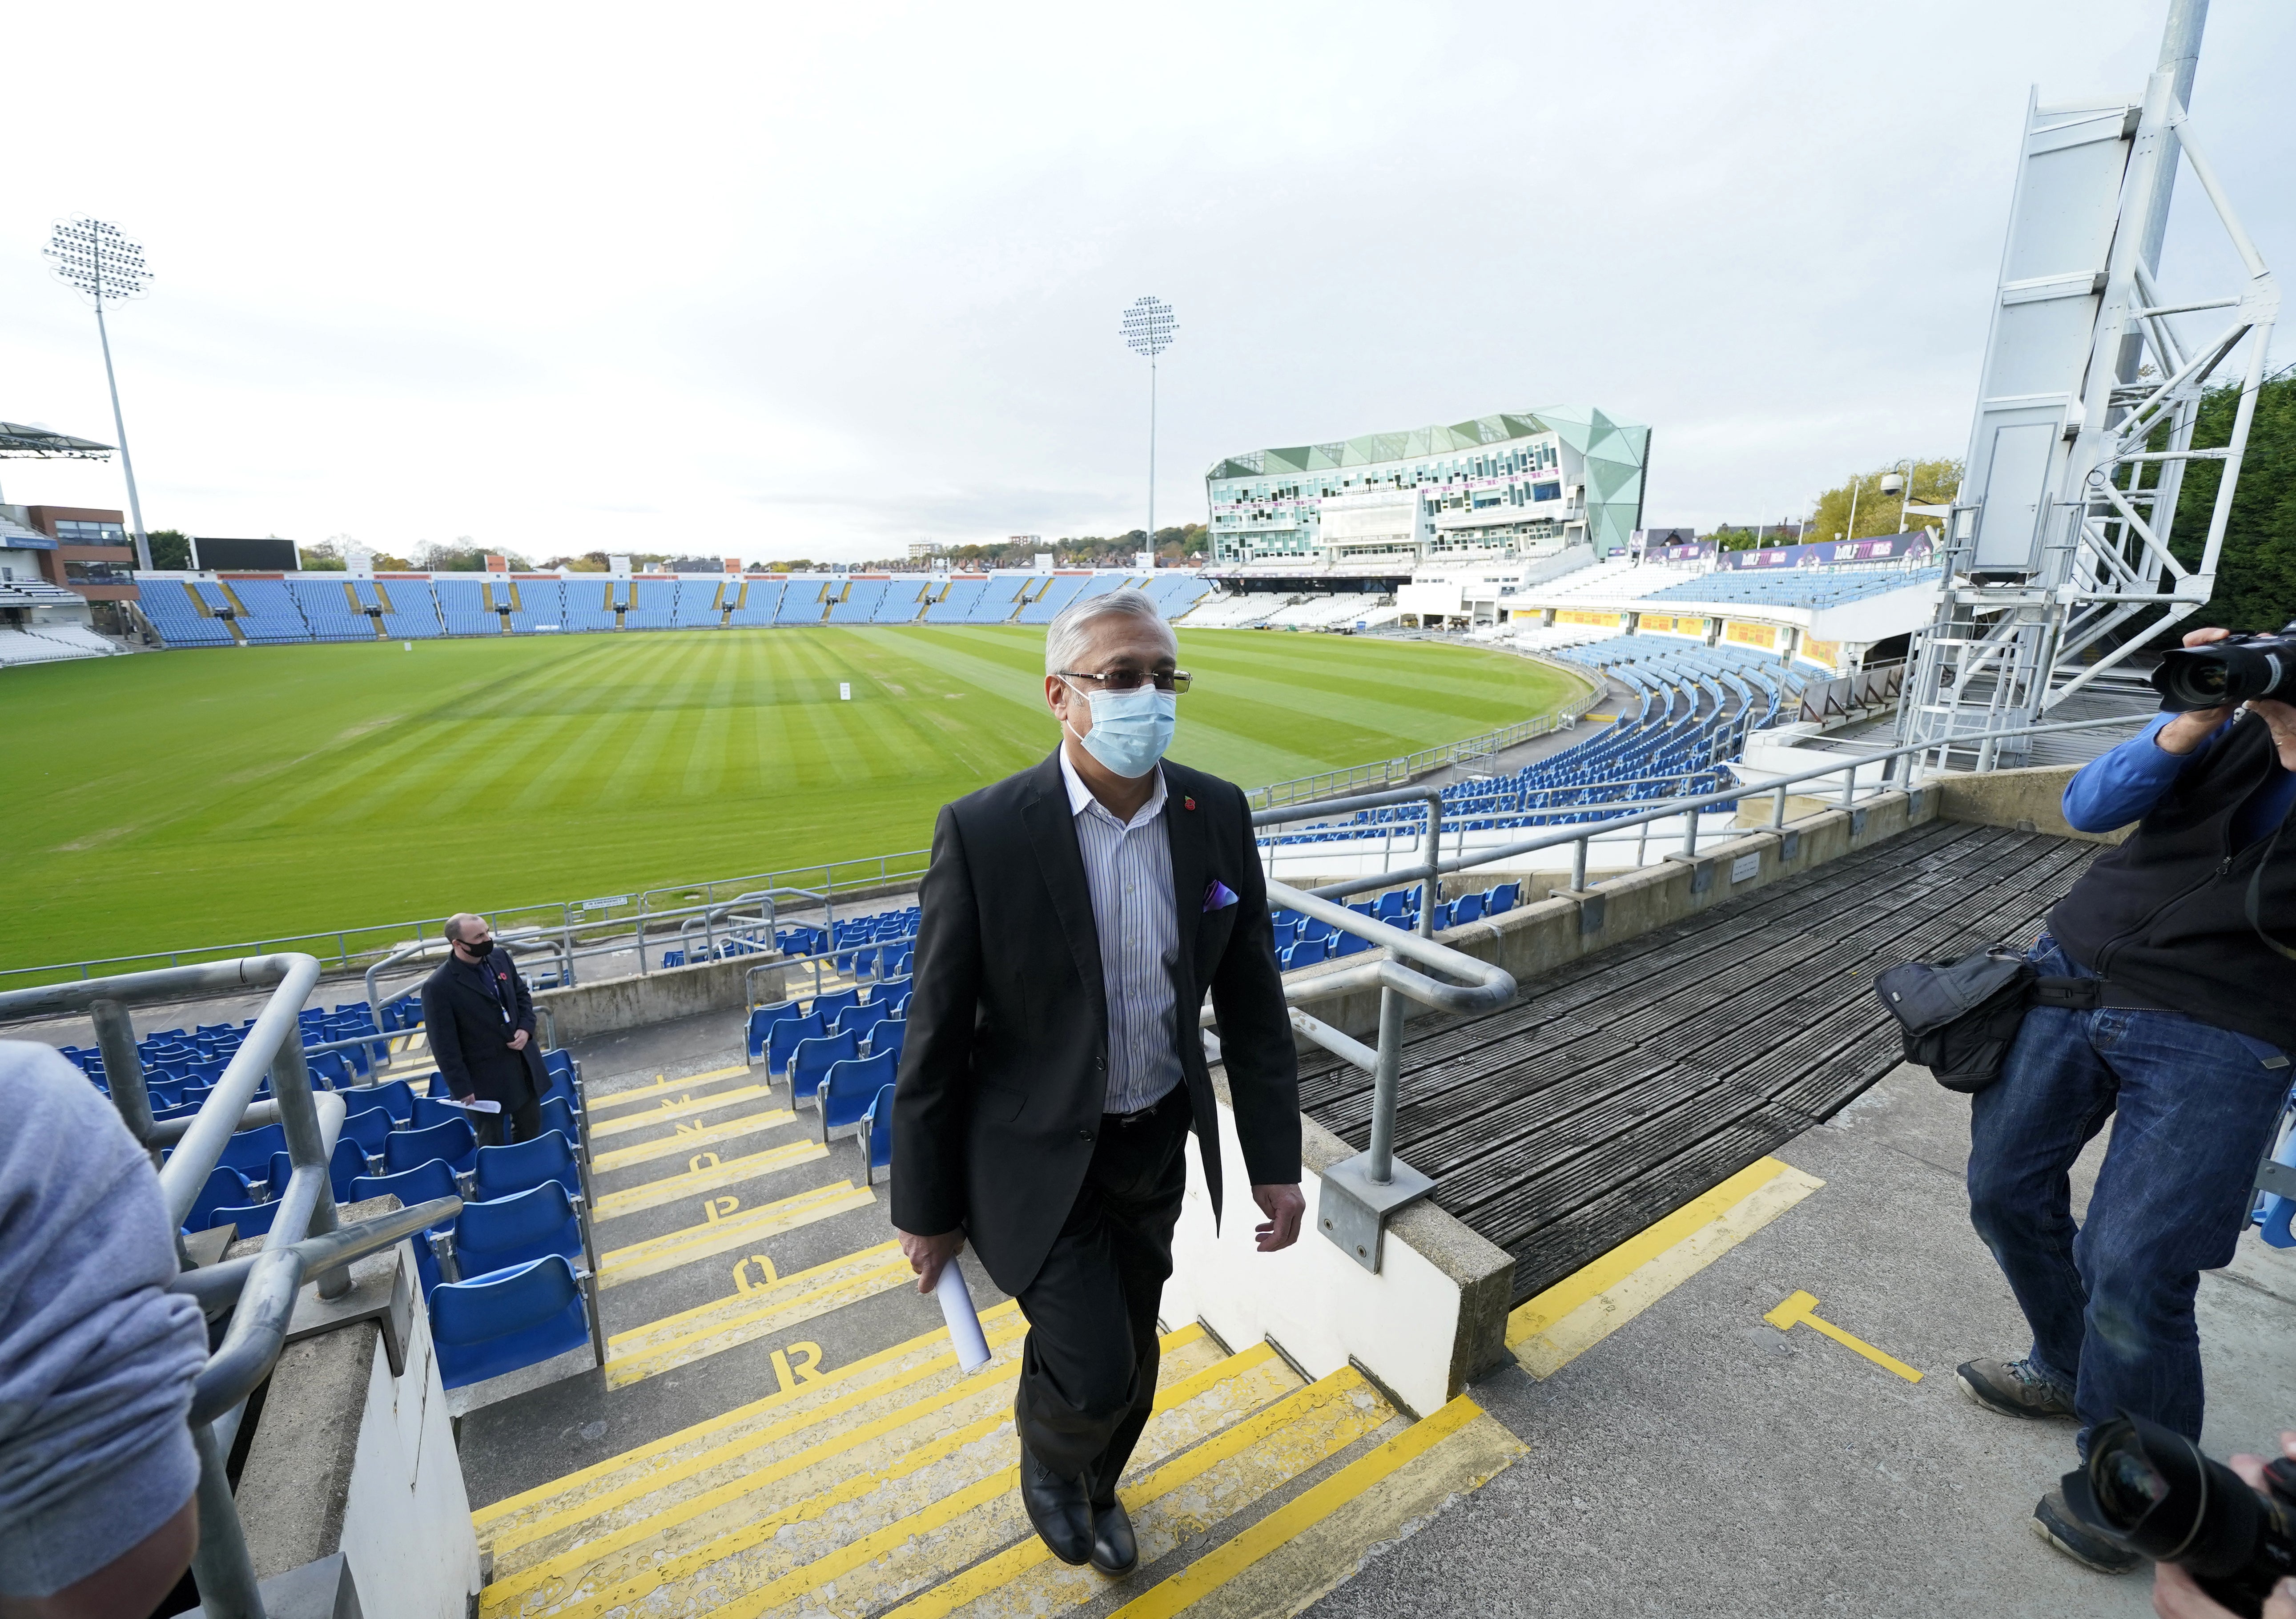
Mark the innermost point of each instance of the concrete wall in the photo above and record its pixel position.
(1434, 1316)
(607, 1003)
(2033, 799)
(350, 1459)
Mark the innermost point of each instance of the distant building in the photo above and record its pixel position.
(95, 555)
(923, 550)
(1505, 484)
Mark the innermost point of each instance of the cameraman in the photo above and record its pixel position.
(2187, 931)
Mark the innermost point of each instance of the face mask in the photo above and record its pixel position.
(1130, 730)
(482, 949)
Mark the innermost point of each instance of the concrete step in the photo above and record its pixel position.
(841, 1463)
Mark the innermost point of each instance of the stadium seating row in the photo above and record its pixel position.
(206, 612)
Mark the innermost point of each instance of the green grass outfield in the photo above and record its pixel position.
(185, 799)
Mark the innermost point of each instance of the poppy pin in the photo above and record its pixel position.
(1187, 803)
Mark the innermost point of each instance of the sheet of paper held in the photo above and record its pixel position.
(477, 1106)
(963, 1323)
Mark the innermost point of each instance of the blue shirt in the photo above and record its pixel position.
(2116, 788)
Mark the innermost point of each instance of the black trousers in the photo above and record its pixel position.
(522, 1116)
(1089, 1368)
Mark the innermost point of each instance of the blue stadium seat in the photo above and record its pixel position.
(1466, 908)
(452, 1142)
(888, 1035)
(252, 1219)
(785, 1036)
(224, 1189)
(429, 1111)
(763, 1018)
(250, 1151)
(558, 1115)
(514, 1230)
(502, 1171)
(1349, 944)
(395, 1096)
(368, 1126)
(811, 1060)
(346, 1164)
(510, 1320)
(1502, 898)
(849, 1087)
(828, 1006)
(877, 1135)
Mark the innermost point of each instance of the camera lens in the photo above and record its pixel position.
(2126, 1485)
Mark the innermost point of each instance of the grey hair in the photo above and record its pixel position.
(1065, 635)
(454, 928)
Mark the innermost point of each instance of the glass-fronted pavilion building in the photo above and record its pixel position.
(1538, 479)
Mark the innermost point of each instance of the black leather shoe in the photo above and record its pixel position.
(1114, 1551)
(1059, 1509)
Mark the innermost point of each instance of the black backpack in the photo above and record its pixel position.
(1959, 1016)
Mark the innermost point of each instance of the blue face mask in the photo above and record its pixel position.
(1130, 730)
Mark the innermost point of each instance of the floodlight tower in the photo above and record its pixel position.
(102, 263)
(1148, 328)
(2057, 545)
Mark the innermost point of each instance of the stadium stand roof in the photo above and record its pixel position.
(30, 440)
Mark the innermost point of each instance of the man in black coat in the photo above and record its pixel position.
(1074, 916)
(479, 1021)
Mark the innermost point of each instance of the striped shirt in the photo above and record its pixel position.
(1127, 867)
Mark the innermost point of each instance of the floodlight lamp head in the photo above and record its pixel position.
(1148, 326)
(97, 259)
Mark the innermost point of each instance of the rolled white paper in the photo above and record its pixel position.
(963, 1323)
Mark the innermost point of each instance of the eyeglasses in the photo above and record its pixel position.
(1132, 679)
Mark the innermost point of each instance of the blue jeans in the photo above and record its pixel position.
(2111, 1301)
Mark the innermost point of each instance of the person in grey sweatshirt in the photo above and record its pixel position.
(97, 1467)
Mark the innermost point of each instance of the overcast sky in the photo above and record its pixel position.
(782, 281)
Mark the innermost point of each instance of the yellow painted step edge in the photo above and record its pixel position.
(853, 1554)
(684, 1108)
(672, 1249)
(686, 1141)
(1223, 1562)
(879, 1256)
(1001, 1323)
(499, 1598)
(978, 1581)
(731, 1171)
(1549, 1331)
(640, 1093)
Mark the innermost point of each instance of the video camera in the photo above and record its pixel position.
(2234, 669)
(2154, 1489)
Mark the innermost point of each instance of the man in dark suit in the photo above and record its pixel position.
(479, 1021)
(1074, 916)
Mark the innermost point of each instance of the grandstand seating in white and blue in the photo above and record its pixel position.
(462, 608)
(903, 601)
(1175, 594)
(760, 599)
(698, 603)
(957, 605)
(326, 609)
(413, 610)
(51, 644)
(1063, 590)
(858, 604)
(653, 602)
(1795, 587)
(1238, 612)
(169, 604)
(534, 602)
(801, 601)
(589, 603)
(1693, 706)
(267, 614)
(1006, 595)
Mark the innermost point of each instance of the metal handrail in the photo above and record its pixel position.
(1846, 767)
(220, 1564)
(1361, 1195)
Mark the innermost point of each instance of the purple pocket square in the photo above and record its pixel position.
(1217, 895)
